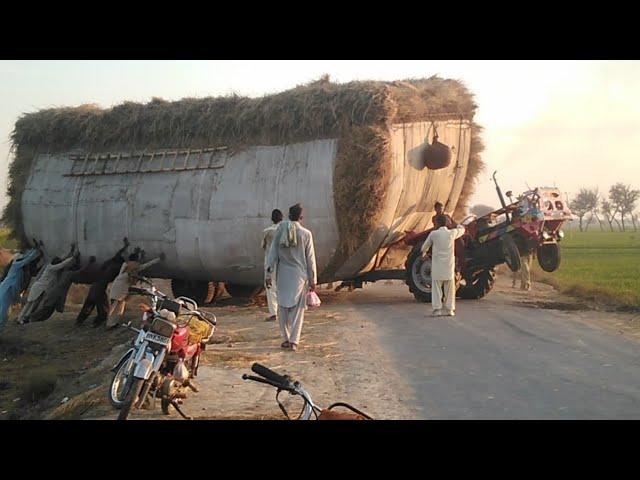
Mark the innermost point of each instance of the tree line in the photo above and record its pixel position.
(613, 209)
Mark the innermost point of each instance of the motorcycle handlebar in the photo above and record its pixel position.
(269, 382)
(270, 374)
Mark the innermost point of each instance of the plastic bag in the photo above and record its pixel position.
(313, 300)
(180, 371)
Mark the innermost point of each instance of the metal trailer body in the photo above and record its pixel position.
(206, 210)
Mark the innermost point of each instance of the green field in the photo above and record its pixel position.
(5, 241)
(603, 266)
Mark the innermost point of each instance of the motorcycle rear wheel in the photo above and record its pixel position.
(131, 398)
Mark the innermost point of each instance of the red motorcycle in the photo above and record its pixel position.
(165, 354)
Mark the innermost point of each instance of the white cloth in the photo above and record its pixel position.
(442, 242)
(47, 279)
(295, 266)
(288, 235)
(291, 320)
(267, 239)
(272, 299)
(272, 293)
(120, 287)
(446, 288)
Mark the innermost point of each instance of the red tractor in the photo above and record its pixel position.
(531, 223)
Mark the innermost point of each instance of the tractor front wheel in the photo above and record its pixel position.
(549, 256)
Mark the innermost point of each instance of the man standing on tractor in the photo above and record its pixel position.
(441, 240)
(439, 208)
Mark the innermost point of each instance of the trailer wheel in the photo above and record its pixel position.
(195, 289)
(511, 253)
(418, 275)
(549, 256)
(481, 284)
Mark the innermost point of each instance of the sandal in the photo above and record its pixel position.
(285, 345)
(293, 347)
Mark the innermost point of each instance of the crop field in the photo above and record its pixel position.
(5, 241)
(603, 266)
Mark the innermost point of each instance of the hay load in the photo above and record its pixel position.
(358, 145)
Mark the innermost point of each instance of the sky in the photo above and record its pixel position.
(571, 124)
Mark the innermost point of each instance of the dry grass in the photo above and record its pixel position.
(80, 404)
(358, 113)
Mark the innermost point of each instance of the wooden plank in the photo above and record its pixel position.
(95, 164)
(137, 169)
(164, 155)
(153, 154)
(84, 164)
(175, 159)
(115, 166)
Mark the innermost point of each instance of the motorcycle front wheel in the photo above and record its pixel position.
(131, 398)
(121, 384)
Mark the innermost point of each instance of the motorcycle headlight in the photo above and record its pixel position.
(560, 234)
(162, 327)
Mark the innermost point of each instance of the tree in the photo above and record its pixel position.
(623, 200)
(609, 214)
(481, 210)
(585, 201)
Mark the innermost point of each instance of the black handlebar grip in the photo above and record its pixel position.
(269, 374)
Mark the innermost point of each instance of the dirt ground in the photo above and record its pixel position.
(54, 370)
(70, 366)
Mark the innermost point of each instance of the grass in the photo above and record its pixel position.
(600, 266)
(5, 241)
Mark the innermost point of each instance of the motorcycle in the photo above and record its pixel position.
(165, 354)
(287, 384)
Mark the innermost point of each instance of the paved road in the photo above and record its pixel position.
(500, 361)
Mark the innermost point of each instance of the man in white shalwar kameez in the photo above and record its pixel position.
(267, 239)
(442, 242)
(293, 258)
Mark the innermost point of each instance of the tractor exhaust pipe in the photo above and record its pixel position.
(498, 190)
(500, 195)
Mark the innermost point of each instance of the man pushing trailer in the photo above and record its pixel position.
(97, 296)
(46, 281)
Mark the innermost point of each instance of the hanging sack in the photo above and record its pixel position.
(437, 155)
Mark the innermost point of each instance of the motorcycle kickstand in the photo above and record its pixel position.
(189, 383)
(177, 407)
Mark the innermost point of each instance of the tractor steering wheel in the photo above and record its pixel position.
(470, 218)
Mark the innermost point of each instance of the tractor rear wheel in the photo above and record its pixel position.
(480, 284)
(511, 253)
(418, 275)
(549, 256)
